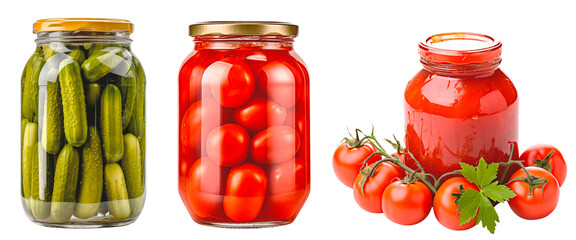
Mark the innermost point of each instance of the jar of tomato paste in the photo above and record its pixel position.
(244, 155)
(460, 107)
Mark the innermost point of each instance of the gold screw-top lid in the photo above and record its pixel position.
(83, 24)
(243, 28)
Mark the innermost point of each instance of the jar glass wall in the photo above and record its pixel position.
(83, 125)
(244, 125)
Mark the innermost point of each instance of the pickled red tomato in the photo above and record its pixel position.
(246, 187)
(199, 120)
(228, 145)
(205, 187)
(275, 145)
(260, 113)
(297, 121)
(287, 185)
(281, 82)
(231, 81)
(191, 88)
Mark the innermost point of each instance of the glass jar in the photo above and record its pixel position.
(244, 157)
(461, 106)
(83, 125)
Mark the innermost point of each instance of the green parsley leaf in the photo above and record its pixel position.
(498, 193)
(485, 173)
(469, 172)
(487, 214)
(468, 205)
(476, 204)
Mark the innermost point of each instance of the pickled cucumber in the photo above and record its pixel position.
(101, 63)
(92, 92)
(30, 92)
(116, 191)
(78, 56)
(91, 175)
(53, 122)
(111, 123)
(129, 89)
(133, 172)
(29, 155)
(136, 125)
(41, 186)
(73, 103)
(22, 130)
(65, 184)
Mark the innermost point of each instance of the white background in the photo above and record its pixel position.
(360, 55)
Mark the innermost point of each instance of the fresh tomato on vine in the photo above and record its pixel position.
(536, 195)
(406, 203)
(370, 184)
(537, 156)
(444, 204)
(349, 157)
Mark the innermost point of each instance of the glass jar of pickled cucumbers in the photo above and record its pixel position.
(83, 125)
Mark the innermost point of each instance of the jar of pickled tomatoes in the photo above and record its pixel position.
(244, 139)
(460, 107)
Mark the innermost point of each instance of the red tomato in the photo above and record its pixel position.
(259, 113)
(191, 88)
(275, 145)
(227, 145)
(347, 161)
(557, 162)
(288, 188)
(371, 200)
(245, 192)
(205, 188)
(231, 82)
(406, 204)
(199, 120)
(444, 207)
(299, 122)
(543, 200)
(281, 82)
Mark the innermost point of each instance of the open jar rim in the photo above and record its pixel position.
(460, 48)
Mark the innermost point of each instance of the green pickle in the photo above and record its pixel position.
(111, 123)
(31, 88)
(91, 185)
(136, 125)
(82, 134)
(29, 155)
(65, 184)
(101, 63)
(53, 123)
(129, 89)
(133, 172)
(73, 103)
(116, 191)
(42, 183)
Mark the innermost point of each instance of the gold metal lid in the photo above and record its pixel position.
(243, 28)
(82, 24)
